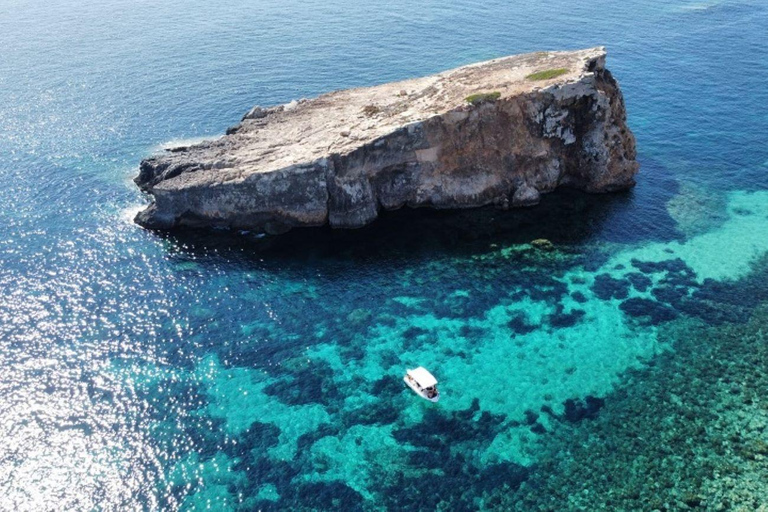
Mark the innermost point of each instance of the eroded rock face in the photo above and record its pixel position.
(341, 158)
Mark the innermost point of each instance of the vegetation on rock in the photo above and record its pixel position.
(547, 74)
(482, 97)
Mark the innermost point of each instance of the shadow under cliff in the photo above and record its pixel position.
(566, 217)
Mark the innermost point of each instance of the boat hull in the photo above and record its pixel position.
(411, 384)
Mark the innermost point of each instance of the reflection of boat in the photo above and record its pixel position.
(422, 383)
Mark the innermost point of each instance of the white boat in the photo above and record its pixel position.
(422, 383)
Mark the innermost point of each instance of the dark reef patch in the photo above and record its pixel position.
(675, 265)
(381, 413)
(714, 313)
(577, 409)
(579, 297)
(258, 470)
(519, 324)
(461, 306)
(714, 302)
(746, 293)
(607, 287)
(436, 439)
(506, 474)
(639, 281)
(306, 386)
(672, 295)
(454, 427)
(560, 319)
(641, 308)
(328, 496)
(454, 489)
(305, 441)
(259, 436)
(414, 332)
(387, 387)
(545, 288)
(472, 332)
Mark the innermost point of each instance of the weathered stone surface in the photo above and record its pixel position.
(342, 157)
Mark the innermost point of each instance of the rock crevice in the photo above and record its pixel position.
(341, 158)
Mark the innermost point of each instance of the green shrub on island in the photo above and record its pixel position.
(482, 97)
(547, 74)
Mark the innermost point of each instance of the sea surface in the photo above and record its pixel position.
(218, 371)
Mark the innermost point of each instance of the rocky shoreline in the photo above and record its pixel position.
(500, 132)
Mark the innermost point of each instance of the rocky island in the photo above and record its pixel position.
(500, 132)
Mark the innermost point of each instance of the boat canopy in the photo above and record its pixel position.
(423, 377)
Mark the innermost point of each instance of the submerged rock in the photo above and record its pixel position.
(543, 244)
(500, 132)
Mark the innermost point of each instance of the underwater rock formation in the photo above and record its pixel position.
(500, 132)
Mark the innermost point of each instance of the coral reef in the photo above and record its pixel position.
(686, 433)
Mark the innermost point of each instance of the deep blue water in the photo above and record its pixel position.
(193, 371)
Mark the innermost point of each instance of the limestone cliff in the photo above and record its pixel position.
(500, 132)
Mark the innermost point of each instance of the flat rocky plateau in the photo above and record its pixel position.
(500, 132)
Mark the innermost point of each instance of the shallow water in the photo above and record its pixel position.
(228, 372)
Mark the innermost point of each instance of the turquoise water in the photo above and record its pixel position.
(225, 372)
